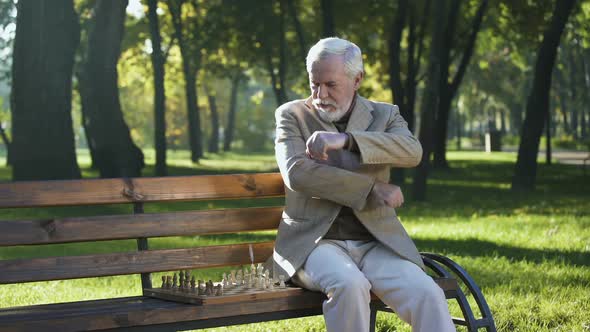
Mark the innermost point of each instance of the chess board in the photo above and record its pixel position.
(230, 295)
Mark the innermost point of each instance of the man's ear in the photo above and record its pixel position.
(357, 80)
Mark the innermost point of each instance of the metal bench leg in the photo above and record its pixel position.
(373, 321)
(439, 264)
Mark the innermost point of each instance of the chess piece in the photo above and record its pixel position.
(224, 279)
(282, 281)
(193, 284)
(232, 279)
(259, 270)
(181, 281)
(163, 282)
(201, 290)
(239, 278)
(187, 277)
(262, 282)
(209, 288)
(175, 281)
(270, 284)
(168, 282)
(218, 290)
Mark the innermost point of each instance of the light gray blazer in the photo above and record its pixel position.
(316, 191)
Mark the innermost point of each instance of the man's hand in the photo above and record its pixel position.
(387, 194)
(320, 142)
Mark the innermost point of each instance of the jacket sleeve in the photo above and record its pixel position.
(302, 174)
(395, 146)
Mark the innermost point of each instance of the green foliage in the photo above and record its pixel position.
(528, 253)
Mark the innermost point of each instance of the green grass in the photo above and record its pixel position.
(530, 253)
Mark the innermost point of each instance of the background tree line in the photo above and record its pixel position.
(120, 78)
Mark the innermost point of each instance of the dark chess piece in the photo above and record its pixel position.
(193, 284)
(168, 282)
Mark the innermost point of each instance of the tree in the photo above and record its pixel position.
(190, 68)
(159, 89)
(43, 138)
(231, 115)
(450, 85)
(403, 92)
(430, 100)
(525, 171)
(114, 153)
(327, 18)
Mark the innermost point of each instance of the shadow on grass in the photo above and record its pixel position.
(487, 249)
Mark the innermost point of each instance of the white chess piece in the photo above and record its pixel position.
(239, 278)
(282, 281)
(232, 279)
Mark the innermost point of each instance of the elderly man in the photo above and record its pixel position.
(339, 233)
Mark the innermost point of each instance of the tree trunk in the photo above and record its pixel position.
(430, 100)
(397, 175)
(448, 90)
(548, 139)
(277, 78)
(6, 142)
(231, 116)
(327, 18)
(586, 92)
(214, 138)
(190, 72)
(573, 89)
(444, 98)
(46, 39)
(525, 171)
(298, 29)
(159, 90)
(89, 141)
(115, 155)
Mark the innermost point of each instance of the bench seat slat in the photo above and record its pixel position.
(112, 191)
(79, 229)
(137, 311)
(70, 267)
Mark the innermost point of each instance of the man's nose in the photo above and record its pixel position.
(322, 92)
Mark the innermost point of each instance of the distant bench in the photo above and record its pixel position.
(150, 314)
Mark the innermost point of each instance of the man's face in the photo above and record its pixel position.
(332, 90)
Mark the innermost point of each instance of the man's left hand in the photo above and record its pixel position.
(320, 142)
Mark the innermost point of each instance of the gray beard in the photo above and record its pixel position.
(331, 116)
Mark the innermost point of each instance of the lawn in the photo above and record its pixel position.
(530, 253)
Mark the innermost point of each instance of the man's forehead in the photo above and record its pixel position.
(330, 66)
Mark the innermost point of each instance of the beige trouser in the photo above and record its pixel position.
(348, 270)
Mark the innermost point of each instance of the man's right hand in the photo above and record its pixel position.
(387, 194)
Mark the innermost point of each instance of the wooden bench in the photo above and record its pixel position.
(150, 314)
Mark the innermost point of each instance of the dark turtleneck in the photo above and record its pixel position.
(347, 226)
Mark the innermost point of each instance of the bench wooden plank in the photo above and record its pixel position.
(138, 311)
(71, 267)
(112, 191)
(79, 229)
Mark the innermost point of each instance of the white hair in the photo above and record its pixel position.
(353, 59)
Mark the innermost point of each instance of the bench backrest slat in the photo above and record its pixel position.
(80, 229)
(59, 268)
(112, 191)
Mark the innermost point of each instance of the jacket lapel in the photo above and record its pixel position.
(361, 116)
